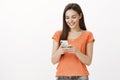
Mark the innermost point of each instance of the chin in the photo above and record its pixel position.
(72, 27)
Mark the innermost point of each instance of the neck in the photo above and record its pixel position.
(75, 30)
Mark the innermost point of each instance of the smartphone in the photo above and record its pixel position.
(65, 43)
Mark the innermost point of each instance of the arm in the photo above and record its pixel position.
(56, 52)
(86, 59)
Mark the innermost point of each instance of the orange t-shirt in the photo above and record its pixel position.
(69, 64)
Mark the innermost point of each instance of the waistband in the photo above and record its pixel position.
(72, 78)
(68, 77)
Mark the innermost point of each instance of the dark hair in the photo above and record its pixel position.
(66, 29)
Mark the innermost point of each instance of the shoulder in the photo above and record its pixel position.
(58, 32)
(88, 32)
(90, 36)
(56, 35)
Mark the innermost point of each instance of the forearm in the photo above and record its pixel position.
(83, 58)
(56, 56)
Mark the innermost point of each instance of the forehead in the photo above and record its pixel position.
(71, 12)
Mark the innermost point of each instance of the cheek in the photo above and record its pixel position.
(73, 20)
(67, 21)
(76, 20)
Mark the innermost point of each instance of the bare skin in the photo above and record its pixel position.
(72, 20)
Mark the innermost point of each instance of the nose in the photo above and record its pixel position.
(70, 20)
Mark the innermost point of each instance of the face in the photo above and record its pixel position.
(72, 18)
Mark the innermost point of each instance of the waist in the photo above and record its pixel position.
(68, 77)
(72, 77)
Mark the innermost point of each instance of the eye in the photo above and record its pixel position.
(66, 17)
(73, 17)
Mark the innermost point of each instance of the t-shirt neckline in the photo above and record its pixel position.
(77, 37)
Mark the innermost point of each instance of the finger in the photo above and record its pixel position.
(61, 45)
(69, 46)
(68, 49)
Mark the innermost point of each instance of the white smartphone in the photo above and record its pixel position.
(64, 42)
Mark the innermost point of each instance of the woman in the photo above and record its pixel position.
(72, 60)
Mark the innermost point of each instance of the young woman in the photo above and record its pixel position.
(72, 60)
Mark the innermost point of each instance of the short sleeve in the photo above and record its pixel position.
(56, 36)
(90, 37)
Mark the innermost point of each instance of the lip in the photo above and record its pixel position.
(71, 24)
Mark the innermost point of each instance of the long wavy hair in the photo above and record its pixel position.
(66, 29)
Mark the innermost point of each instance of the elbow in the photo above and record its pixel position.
(53, 62)
(88, 63)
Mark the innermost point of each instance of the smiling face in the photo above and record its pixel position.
(72, 18)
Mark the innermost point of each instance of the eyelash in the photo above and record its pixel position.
(72, 17)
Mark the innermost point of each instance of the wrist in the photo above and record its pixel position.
(60, 52)
(77, 52)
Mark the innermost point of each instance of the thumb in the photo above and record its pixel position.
(61, 45)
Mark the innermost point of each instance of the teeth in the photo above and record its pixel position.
(71, 24)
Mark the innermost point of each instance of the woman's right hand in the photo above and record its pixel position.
(61, 50)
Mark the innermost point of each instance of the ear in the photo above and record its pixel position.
(80, 16)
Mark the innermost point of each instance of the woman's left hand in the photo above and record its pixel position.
(72, 49)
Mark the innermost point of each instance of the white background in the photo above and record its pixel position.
(27, 27)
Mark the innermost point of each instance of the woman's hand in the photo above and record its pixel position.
(71, 49)
(62, 49)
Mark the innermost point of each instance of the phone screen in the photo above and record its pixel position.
(64, 42)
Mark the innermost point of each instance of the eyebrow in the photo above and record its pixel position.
(68, 16)
(72, 15)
